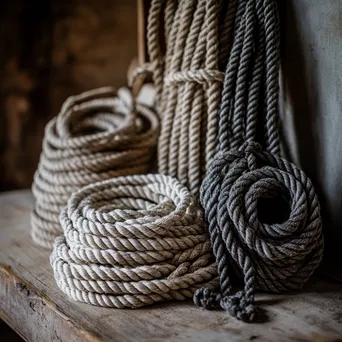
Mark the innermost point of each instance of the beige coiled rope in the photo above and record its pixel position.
(96, 136)
(188, 78)
(132, 241)
(135, 240)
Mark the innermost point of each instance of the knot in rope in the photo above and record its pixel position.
(97, 135)
(132, 241)
(239, 306)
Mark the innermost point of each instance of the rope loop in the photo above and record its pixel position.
(264, 220)
(139, 76)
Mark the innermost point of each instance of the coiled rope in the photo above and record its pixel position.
(262, 212)
(188, 77)
(96, 136)
(132, 241)
(135, 240)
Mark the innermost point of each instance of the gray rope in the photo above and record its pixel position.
(277, 253)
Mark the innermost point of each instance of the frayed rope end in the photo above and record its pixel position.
(238, 305)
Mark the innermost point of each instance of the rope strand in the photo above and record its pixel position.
(132, 241)
(246, 184)
(190, 93)
(96, 136)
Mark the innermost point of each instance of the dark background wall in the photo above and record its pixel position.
(312, 103)
(48, 51)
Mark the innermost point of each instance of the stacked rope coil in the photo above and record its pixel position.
(188, 77)
(135, 240)
(97, 135)
(132, 241)
(262, 212)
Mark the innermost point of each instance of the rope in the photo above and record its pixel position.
(132, 241)
(262, 213)
(135, 240)
(96, 136)
(188, 78)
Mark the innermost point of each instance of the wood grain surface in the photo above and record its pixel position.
(32, 304)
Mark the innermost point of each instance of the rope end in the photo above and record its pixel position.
(207, 299)
(239, 306)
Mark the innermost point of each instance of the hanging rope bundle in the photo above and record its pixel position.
(96, 136)
(132, 241)
(262, 212)
(188, 78)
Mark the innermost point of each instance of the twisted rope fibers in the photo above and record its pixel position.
(135, 240)
(188, 77)
(96, 136)
(132, 241)
(271, 252)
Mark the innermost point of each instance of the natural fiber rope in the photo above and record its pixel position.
(262, 212)
(188, 78)
(135, 240)
(96, 136)
(132, 241)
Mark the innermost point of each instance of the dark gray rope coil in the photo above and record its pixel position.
(272, 249)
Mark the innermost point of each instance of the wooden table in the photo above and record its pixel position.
(32, 304)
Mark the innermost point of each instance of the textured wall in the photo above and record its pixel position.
(49, 50)
(312, 83)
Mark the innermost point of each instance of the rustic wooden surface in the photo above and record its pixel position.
(34, 307)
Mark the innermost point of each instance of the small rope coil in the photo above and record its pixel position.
(97, 135)
(132, 241)
(262, 212)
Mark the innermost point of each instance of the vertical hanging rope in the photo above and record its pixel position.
(96, 136)
(189, 80)
(262, 212)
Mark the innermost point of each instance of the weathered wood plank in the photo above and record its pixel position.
(32, 304)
